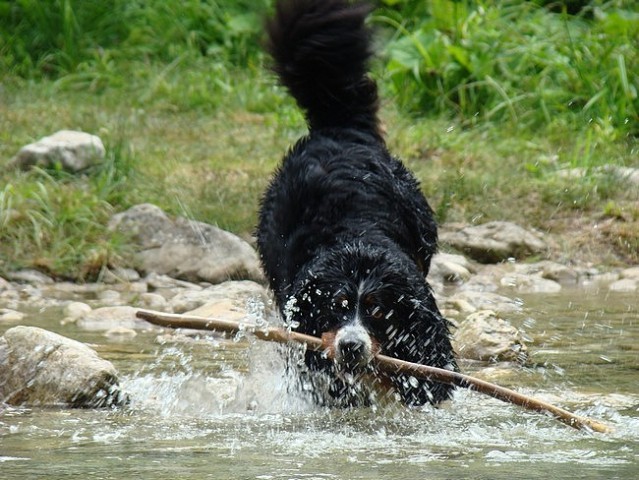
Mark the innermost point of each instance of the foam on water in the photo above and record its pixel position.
(215, 408)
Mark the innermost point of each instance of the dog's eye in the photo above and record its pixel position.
(341, 302)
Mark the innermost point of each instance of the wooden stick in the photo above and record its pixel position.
(385, 363)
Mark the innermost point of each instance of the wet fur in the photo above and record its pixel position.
(345, 235)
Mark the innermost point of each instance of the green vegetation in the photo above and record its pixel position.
(486, 101)
(517, 62)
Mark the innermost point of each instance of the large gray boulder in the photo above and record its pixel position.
(494, 242)
(186, 249)
(68, 149)
(38, 367)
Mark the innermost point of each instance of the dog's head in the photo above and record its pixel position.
(364, 300)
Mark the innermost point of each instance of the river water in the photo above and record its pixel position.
(221, 408)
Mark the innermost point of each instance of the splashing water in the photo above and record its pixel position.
(209, 407)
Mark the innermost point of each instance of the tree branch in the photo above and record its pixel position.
(385, 363)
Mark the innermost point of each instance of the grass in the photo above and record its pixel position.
(485, 101)
(515, 61)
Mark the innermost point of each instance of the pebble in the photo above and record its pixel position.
(75, 310)
(10, 315)
(624, 285)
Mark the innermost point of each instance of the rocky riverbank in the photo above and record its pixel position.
(183, 266)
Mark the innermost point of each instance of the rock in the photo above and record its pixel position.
(470, 301)
(110, 297)
(446, 267)
(154, 301)
(630, 175)
(30, 276)
(484, 336)
(632, 273)
(10, 315)
(186, 249)
(624, 285)
(108, 318)
(554, 271)
(120, 333)
(38, 367)
(71, 150)
(72, 290)
(559, 273)
(481, 283)
(145, 223)
(73, 311)
(120, 275)
(529, 283)
(626, 174)
(164, 282)
(233, 300)
(603, 278)
(4, 284)
(495, 241)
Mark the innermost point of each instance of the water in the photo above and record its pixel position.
(220, 409)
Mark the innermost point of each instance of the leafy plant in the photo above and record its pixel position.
(515, 61)
(58, 37)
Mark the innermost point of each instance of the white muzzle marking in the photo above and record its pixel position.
(353, 346)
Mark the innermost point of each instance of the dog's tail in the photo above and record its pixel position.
(321, 50)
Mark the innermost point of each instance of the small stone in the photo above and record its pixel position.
(120, 275)
(9, 315)
(470, 301)
(495, 242)
(75, 310)
(530, 283)
(556, 272)
(120, 332)
(632, 273)
(624, 285)
(481, 283)
(446, 267)
(108, 318)
(30, 276)
(484, 336)
(71, 150)
(603, 278)
(164, 282)
(110, 297)
(154, 301)
(4, 284)
(236, 292)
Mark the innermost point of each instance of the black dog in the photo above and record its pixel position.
(345, 235)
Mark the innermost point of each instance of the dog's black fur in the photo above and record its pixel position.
(345, 235)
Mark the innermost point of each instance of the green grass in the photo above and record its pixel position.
(485, 101)
(518, 62)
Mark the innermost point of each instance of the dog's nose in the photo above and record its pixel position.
(351, 351)
(353, 347)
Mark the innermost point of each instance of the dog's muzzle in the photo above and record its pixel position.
(353, 347)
